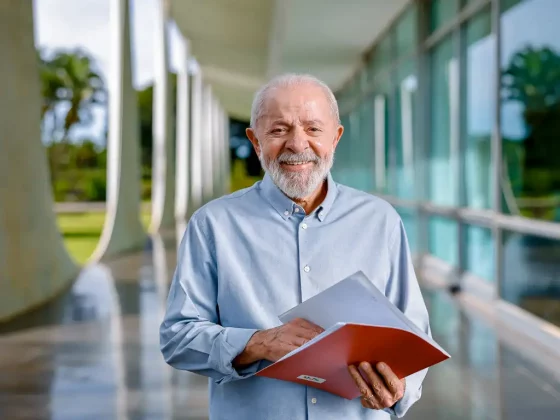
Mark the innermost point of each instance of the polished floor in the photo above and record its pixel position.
(93, 354)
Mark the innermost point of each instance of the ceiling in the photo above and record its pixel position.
(239, 44)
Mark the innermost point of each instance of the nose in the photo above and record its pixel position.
(297, 142)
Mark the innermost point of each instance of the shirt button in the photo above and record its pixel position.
(321, 214)
(286, 213)
(304, 225)
(314, 400)
(297, 210)
(306, 269)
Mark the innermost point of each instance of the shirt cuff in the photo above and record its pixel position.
(232, 343)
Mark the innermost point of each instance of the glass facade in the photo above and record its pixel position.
(455, 120)
(531, 272)
(530, 69)
(478, 104)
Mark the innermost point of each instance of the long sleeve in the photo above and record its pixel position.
(404, 291)
(190, 335)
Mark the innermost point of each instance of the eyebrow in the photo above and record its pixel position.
(314, 121)
(279, 121)
(306, 122)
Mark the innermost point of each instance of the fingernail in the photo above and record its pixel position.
(381, 365)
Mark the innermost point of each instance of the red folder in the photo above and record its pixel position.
(324, 364)
(361, 325)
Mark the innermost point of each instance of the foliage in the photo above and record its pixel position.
(532, 78)
(70, 78)
(145, 110)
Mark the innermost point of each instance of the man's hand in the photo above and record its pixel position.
(385, 387)
(275, 343)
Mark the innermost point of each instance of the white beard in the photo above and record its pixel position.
(297, 185)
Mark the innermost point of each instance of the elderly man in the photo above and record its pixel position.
(247, 257)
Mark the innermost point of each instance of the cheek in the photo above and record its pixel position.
(322, 146)
(271, 149)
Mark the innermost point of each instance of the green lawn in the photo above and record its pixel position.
(81, 232)
(239, 177)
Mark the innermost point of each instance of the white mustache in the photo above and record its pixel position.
(298, 157)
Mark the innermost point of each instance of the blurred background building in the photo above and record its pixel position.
(119, 118)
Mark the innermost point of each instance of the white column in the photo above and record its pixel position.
(34, 265)
(222, 149)
(217, 149)
(227, 166)
(183, 134)
(123, 230)
(163, 175)
(225, 150)
(207, 167)
(196, 144)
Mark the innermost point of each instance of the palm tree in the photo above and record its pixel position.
(77, 83)
(532, 78)
(69, 78)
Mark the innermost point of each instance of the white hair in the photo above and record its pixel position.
(288, 80)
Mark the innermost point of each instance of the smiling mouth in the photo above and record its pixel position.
(297, 166)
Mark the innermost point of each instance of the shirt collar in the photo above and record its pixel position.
(286, 207)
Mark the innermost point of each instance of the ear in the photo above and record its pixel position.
(338, 135)
(252, 136)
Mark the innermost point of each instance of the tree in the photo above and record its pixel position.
(70, 78)
(532, 78)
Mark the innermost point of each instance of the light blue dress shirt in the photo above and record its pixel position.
(247, 257)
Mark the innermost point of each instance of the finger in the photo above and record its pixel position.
(394, 384)
(377, 385)
(299, 341)
(308, 325)
(305, 333)
(368, 403)
(365, 390)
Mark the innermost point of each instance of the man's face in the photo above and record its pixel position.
(295, 138)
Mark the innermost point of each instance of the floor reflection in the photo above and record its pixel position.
(94, 354)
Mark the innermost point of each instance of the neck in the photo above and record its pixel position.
(313, 201)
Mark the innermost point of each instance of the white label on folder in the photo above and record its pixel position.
(312, 379)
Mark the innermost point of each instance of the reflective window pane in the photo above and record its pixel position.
(406, 133)
(444, 138)
(531, 274)
(479, 109)
(406, 32)
(530, 107)
(362, 141)
(480, 252)
(441, 12)
(381, 56)
(342, 162)
(382, 98)
(443, 239)
(410, 222)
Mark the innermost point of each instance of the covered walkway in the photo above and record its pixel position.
(427, 128)
(94, 354)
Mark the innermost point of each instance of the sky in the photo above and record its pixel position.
(86, 24)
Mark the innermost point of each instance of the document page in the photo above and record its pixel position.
(353, 300)
(324, 334)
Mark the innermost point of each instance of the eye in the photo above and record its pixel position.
(314, 129)
(278, 130)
